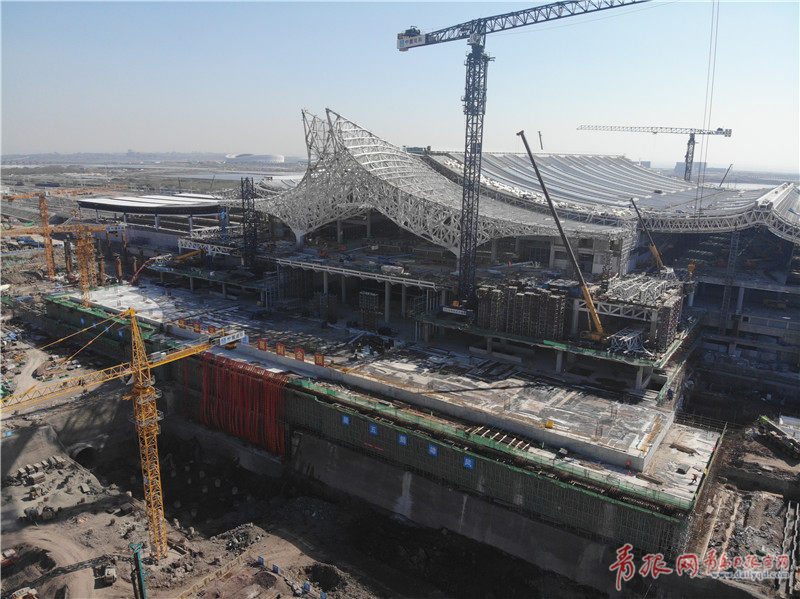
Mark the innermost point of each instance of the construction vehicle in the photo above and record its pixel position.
(145, 413)
(475, 32)
(108, 575)
(652, 244)
(688, 159)
(597, 334)
(9, 556)
(161, 259)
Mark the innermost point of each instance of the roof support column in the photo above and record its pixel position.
(325, 282)
(387, 291)
(191, 223)
(403, 301)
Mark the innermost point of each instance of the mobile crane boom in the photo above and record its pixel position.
(598, 333)
(653, 248)
(475, 33)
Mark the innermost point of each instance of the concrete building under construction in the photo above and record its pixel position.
(358, 371)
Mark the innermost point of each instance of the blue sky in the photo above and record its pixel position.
(233, 77)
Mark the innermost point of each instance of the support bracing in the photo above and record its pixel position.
(474, 109)
(49, 258)
(729, 274)
(249, 222)
(689, 160)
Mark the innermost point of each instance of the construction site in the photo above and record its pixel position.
(415, 373)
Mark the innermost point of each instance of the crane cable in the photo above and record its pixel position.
(708, 102)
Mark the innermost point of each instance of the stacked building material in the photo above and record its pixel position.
(325, 305)
(297, 283)
(669, 315)
(368, 304)
(482, 313)
(535, 312)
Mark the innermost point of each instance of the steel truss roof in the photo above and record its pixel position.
(351, 171)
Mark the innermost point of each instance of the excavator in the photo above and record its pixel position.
(143, 396)
(597, 333)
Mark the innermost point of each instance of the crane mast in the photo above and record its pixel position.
(475, 32)
(146, 415)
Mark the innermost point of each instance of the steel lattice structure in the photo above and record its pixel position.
(352, 171)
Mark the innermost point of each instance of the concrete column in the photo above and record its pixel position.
(339, 234)
(300, 237)
(740, 300)
(559, 360)
(489, 344)
(403, 301)
(690, 300)
(224, 290)
(444, 297)
(191, 223)
(427, 299)
(161, 275)
(552, 261)
(191, 283)
(369, 224)
(653, 323)
(427, 332)
(575, 318)
(517, 245)
(97, 214)
(494, 251)
(387, 291)
(639, 377)
(264, 298)
(125, 218)
(156, 221)
(325, 283)
(344, 289)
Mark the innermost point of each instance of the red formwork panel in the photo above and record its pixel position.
(243, 400)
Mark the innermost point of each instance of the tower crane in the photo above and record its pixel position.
(688, 159)
(475, 33)
(145, 412)
(46, 230)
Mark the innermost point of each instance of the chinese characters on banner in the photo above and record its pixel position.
(262, 344)
(280, 349)
(182, 323)
(654, 565)
(319, 359)
(299, 354)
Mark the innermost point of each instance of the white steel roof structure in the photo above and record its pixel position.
(600, 187)
(351, 171)
(155, 204)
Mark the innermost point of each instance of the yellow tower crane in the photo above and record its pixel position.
(145, 412)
